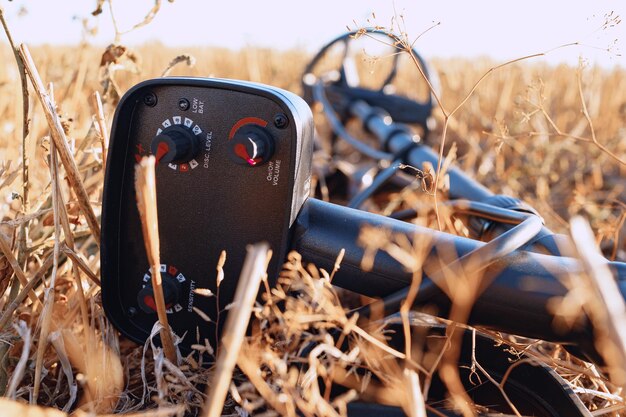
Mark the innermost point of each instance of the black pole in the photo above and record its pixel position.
(518, 287)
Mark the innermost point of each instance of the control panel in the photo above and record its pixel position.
(233, 168)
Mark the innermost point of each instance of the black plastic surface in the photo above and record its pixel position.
(205, 206)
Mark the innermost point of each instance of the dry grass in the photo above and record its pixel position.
(553, 136)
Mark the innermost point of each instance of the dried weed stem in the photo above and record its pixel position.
(103, 132)
(60, 140)
(606, 308)
(49, 292)
(252, 273)
(145, 187)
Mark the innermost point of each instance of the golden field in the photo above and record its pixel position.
(553, 136)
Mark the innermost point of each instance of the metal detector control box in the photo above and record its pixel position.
(233, 168)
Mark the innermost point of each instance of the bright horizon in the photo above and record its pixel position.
(497, 29)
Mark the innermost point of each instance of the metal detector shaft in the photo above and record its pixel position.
(397, 140)
(519, 271)
(516, 286)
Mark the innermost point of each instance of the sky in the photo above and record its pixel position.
(501, 29)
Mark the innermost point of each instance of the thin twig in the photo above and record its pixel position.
(18, 373)
(499, 385)
(147, 19)
(102, 127)
(80, 263)
(594, 139)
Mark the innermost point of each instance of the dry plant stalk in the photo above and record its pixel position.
(69, 247)
(58, 135)
(49, 292)
(18, 372)
(100, 365)
(102, 127)
(80, 263)
(300, 345)
(252, 274)
(25, 111)
(145, 187)
(416, 406)
(606, 307)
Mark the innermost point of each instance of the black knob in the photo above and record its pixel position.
(251, 146)
(146, 300)
(175, 144)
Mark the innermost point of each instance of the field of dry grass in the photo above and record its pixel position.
(553, 136)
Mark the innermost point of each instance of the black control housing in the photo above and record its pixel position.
(206, 202)
(224, 204)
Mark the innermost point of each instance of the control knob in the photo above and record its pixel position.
(175, 144)
(145, 297)
(251, 146)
